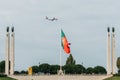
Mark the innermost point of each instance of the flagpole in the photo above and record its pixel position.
(60, 51)
(66, 48)
(60, 71)
(60, 54)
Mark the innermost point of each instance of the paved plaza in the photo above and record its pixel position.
(65, 77)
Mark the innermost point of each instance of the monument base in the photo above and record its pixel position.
(60, 72)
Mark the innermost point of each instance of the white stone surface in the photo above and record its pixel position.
(113, 54)
(65, 77)
(108, 55)
(12, 54)
(7, 53)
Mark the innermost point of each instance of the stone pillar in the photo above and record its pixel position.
(113, 52)
(108, 53)
(12, 52)
(7, 63)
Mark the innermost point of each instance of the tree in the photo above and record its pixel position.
(16, 72)
(89, 70)
(74, 69)
(70, 60)
(54, 69)
(99, 70)
(45, 68)
(118, 64)
(80, 69)
(35, 69)
(70, 69)
(2, 67)
(23, 72)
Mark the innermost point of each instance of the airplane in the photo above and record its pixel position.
(53, 19)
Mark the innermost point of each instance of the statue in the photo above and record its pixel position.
(7, 29)
(108, 29)
(12, 29)
(113, 29)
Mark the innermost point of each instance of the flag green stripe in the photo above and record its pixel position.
(62, 34)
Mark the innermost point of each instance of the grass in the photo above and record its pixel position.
(113, 78)
(6, 78)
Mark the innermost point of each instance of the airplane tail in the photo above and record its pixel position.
(46, 17)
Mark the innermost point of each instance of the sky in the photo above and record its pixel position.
(37, 40)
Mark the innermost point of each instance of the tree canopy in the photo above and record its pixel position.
(2, 67)
(45, 68)
(118, 64)
(70, 60)
(99, 70)
(89, 70)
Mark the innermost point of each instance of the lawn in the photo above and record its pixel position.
(113, 78)
(6, 78)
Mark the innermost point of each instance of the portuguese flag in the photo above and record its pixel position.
(64, 43)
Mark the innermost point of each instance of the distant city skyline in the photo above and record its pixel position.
(37, 40)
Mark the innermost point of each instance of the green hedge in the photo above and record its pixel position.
(3, 75)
